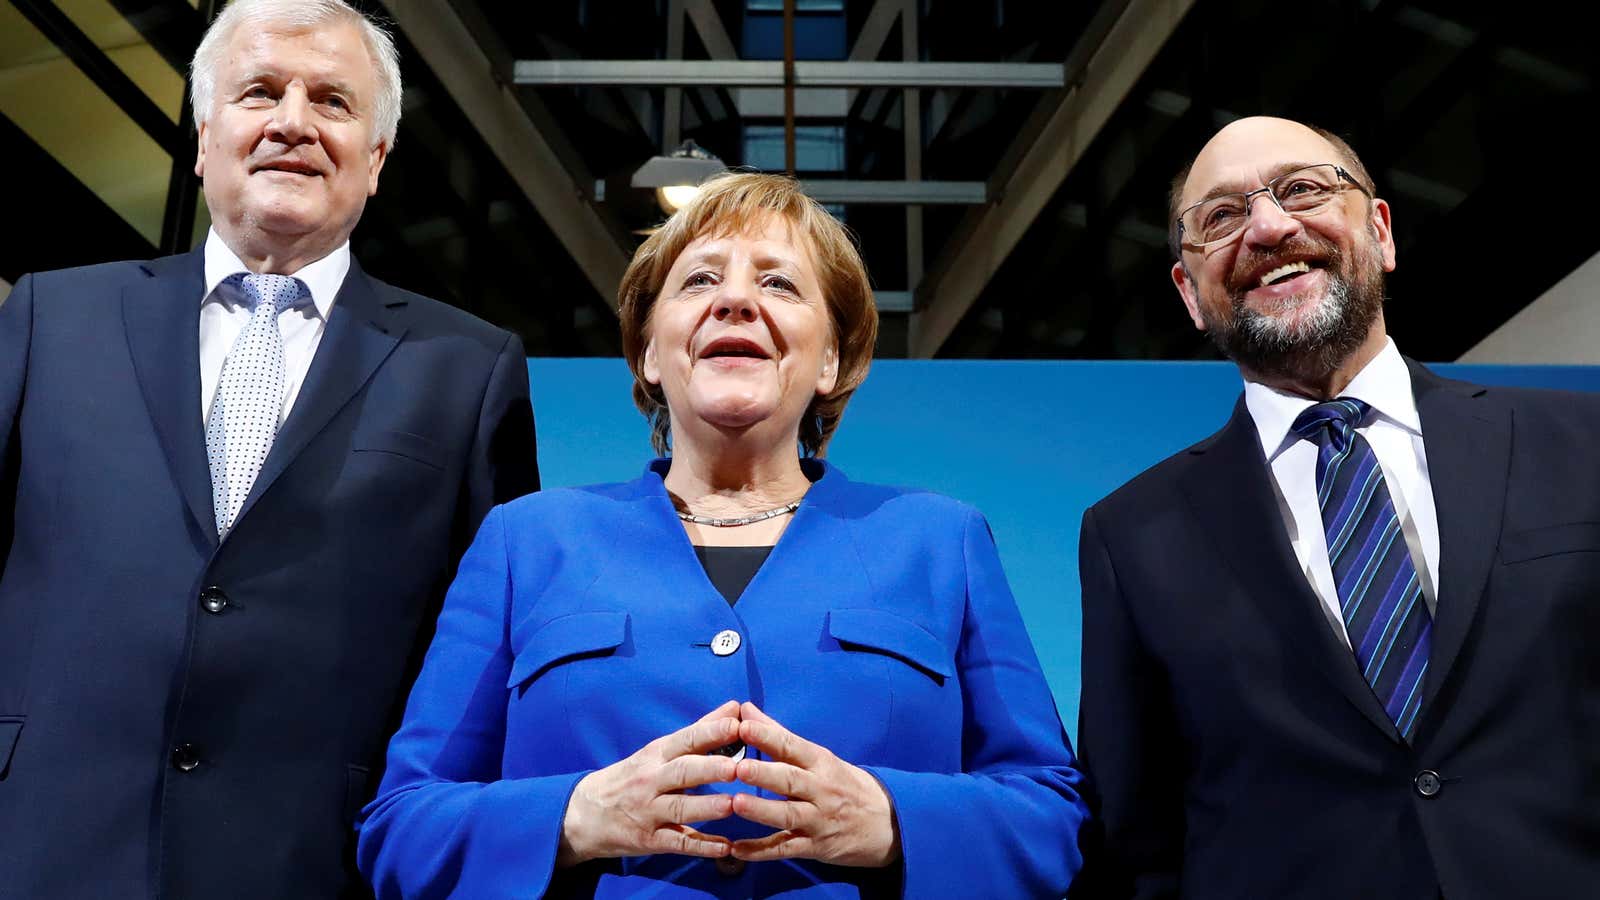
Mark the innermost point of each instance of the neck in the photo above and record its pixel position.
(279, 254)
(1326, 384)
(724, 475)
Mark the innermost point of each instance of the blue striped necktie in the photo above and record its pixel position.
(1385, 616)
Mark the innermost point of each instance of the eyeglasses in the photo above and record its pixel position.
(1299, 193)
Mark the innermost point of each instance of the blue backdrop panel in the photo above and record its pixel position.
(1032, 444)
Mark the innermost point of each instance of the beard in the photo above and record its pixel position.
(1300, 337)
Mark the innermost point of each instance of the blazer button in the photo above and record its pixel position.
(725, 643)
(729, 867)
(1427, 783)
(213, 600)
(186, 757)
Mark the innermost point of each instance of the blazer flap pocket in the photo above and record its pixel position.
(402, 443)
(10, 731)
(1532, 543)
(577, 634)
(887, 632)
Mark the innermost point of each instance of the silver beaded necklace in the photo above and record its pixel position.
(751, 519)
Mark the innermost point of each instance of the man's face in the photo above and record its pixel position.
(289, 153)
(1290, 295)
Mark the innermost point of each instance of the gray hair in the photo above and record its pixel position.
(300, 14)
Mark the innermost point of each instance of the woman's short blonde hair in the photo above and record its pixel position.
(738, 203)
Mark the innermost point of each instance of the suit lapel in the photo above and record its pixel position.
(1468, 443)
(162, 318)
(1229, 492)
(362, 331)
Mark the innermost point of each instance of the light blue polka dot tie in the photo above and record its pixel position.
(249, 399)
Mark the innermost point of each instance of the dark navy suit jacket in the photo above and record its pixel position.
(281, 686)
(1235, 749)
(579, 629)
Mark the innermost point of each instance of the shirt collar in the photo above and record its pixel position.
(322, 278)
(1384, 384)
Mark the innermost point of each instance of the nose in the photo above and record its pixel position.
(736, 302)
(1268, 225)
(291, 121)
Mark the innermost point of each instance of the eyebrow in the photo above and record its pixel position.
(1222, 190)
(314, 84)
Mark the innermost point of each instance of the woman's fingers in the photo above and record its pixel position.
(702, 736)
(692, 771)
(761, 731)
(784, 815)
(685, 840)
(682, 809)
(778, 845)
(777, 777)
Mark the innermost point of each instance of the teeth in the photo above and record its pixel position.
(1284, 271)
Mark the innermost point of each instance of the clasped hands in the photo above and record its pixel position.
(833, 811)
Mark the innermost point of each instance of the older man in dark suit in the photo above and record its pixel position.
(234, 486)
(1343, 647)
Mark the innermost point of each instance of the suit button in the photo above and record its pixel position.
(729, 867)
(186, 757)
(1427, 783)
(725, 643)
(213, 600)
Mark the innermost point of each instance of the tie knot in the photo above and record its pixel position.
(1333, 420)
(277, 292)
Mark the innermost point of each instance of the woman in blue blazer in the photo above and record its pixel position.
(742, 674)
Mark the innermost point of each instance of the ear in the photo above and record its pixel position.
(380, 153)
(200, 151)
(651, 367)
(828, 378)
(1184, 282)
(1383, 230)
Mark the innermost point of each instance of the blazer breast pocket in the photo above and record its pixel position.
(1550, 540)
(880, 631)
(895, 672)
(563, 640)
(414, 447)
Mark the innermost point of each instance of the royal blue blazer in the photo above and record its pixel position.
(579, 629)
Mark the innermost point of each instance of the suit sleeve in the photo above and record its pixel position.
(1127, 732)
(445, 823)
(1007, 824)
(503, 465)
(16, 332)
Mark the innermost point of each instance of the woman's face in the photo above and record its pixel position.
(739, 335)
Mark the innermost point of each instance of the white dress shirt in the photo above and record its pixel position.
(1394, 430)
(224, 313)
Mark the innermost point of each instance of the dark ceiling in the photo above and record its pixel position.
(1469, 116)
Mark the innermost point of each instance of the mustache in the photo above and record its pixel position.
(1248, 262)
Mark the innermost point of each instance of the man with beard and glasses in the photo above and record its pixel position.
(1343, 647)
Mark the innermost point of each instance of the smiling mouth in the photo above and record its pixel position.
(1286, 272)
(734, 348)
(286, 169)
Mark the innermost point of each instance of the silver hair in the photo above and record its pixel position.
(299, 14)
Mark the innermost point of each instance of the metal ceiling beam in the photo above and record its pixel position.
(531, 156)
(1105, 68)
(838, 190)
(747, 73)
